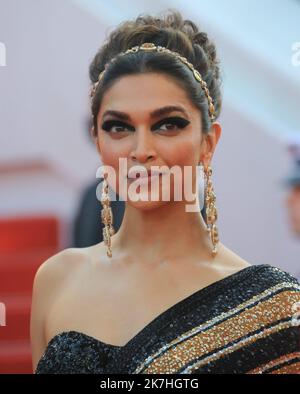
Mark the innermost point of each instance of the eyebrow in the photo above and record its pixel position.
(154, 114)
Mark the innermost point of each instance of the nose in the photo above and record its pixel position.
(144, 147)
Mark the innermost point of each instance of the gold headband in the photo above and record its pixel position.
(149, 46)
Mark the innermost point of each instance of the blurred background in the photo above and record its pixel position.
(48, 162)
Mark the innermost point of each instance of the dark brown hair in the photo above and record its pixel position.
(174, 33)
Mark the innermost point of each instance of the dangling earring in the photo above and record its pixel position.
(107, 217)
(211, 209)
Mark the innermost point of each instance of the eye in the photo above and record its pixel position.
(176, 122)
(109, 124)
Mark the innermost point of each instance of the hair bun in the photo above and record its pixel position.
(170, 30)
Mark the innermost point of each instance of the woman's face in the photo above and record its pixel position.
(147, 137)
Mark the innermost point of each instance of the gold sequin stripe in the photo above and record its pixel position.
(245, 342)
(278, 361)
(223, 316)
(288, 369)
(176, 355)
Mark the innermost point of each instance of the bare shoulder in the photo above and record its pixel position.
(53, 274)
(48, 282)
(57, 267)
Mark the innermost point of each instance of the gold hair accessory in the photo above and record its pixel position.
(149, 46)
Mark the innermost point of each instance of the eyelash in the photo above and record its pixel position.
(175, 120)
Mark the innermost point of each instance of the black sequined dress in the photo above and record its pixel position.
(242, 324)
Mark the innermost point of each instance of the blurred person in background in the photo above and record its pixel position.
(292, 184)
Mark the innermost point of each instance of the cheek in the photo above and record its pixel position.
(181, 152)
(113, 150)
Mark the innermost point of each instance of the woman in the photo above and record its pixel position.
(163, 294)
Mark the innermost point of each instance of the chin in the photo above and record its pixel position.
(147, 205)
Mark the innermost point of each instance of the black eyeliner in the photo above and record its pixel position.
(175, 120)
(106, 125)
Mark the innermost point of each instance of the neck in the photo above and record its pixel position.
(166, 233)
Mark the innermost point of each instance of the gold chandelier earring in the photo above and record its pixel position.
(211, 209)
(107, 217)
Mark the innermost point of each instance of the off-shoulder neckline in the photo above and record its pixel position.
(217, 286)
